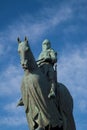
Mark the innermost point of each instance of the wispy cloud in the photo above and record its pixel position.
(1, 49)
(35, 27)
(12, 121)
(72, 72)
(10, 80)
(12, 108)
(83, 105)
(72, 65)
(14, 116)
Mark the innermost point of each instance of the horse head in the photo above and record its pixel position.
(23, 50)
(26, 56)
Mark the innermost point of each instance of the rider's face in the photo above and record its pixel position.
(45, 47)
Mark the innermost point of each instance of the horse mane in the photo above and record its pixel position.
(32, 65)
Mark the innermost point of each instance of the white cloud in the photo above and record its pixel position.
(10, 81)
(12, 108)
(72, 66)
(83, 105)
(14, 116)
(35, 27)
(72, 71)
(27, 25)
(12, 121)
(1, 49)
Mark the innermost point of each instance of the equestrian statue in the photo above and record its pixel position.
(48, 104)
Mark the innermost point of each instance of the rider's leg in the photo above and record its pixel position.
(52, 82)
(52, 90)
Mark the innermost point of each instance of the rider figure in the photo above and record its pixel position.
(46, 61)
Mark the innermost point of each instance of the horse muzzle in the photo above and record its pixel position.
(24, 64)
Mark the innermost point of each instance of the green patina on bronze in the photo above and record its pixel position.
(46, 61)
(42, 112)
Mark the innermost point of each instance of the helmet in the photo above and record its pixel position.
(46, 44)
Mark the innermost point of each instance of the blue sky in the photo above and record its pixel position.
(64, 23)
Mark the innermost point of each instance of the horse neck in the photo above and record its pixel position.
(32, 63)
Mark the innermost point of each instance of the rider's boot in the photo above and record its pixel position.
(52, 91)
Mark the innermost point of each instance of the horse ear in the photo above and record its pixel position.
(18, 39)
(26, 39)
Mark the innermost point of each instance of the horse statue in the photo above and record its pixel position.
(43, 113)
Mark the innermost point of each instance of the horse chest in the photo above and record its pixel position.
(30, 81)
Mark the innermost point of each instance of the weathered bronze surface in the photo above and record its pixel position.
(46, 61)
(43, 112)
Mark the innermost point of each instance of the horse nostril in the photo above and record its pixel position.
(22, 64)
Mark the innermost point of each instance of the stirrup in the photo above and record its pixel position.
(52, 94)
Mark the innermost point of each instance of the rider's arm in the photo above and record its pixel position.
(53, 56)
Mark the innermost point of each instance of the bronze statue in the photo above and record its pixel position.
(43, 113)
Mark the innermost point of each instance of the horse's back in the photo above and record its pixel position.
(65, 98)
(66, 107)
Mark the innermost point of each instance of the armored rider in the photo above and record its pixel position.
(46, 61)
